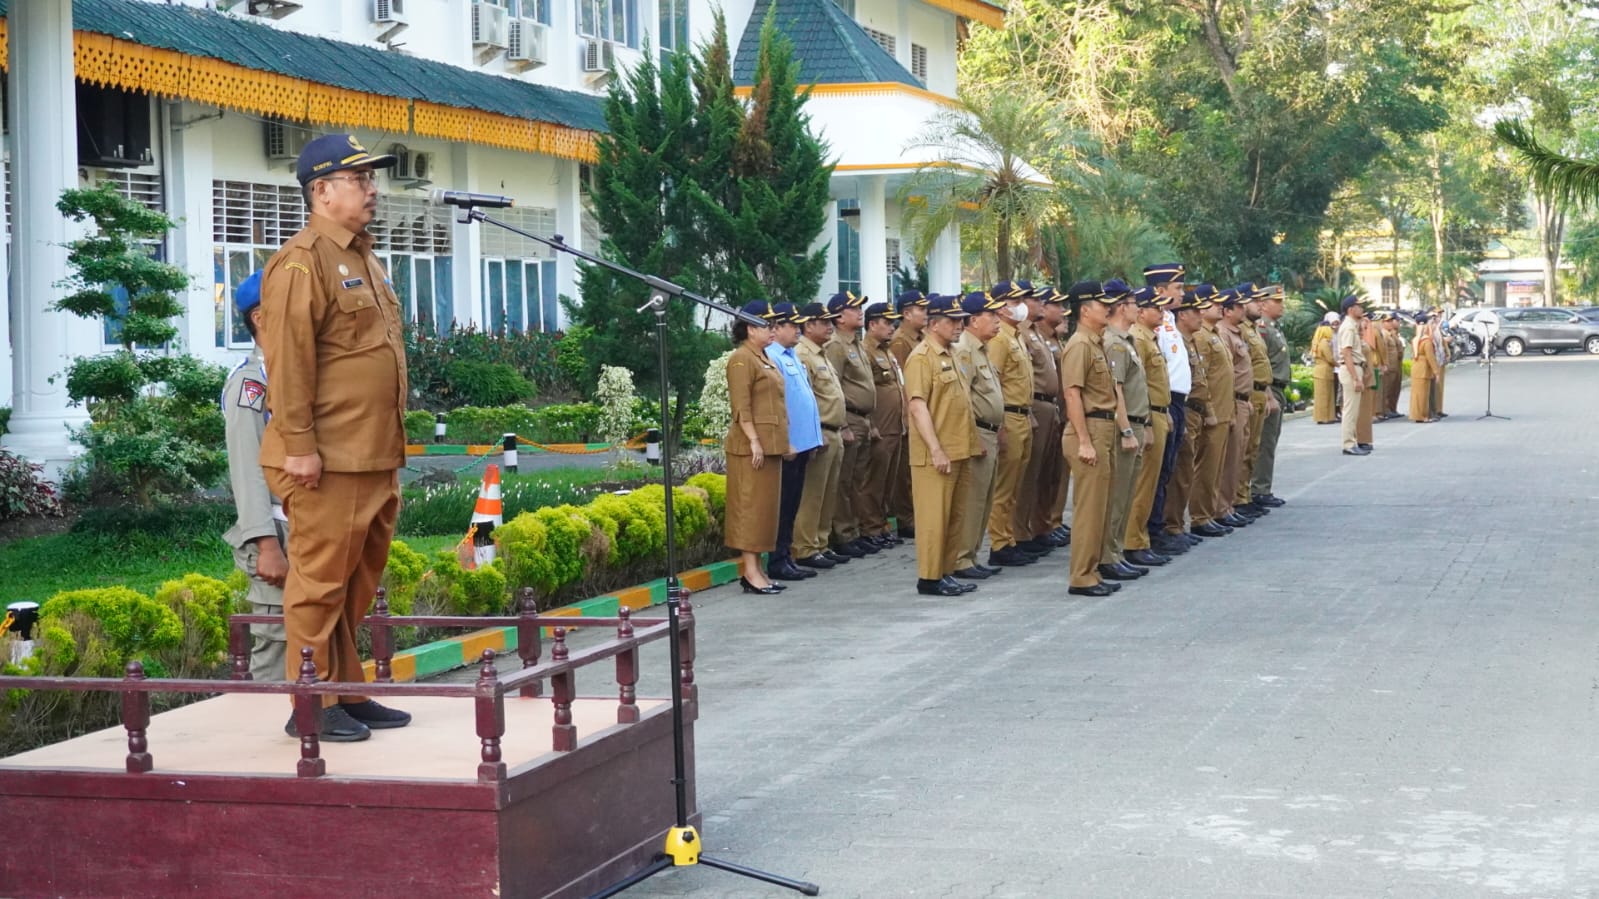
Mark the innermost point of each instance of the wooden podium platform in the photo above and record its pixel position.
(567, 797)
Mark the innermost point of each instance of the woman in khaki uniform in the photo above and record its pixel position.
(1423, 372)
(756, 443)
(1325, 373)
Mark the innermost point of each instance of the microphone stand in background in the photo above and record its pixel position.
(682, 841)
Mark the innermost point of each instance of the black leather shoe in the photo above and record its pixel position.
(848, 549)
(972, 574)
(1253, 509)
(864, 546)
(951, 582)
(1234, 520)
(338, 726)
(1357, 451)
(1010, 556)
(1211, 529)
(376, 715)
(1170, 544)
(1145, 558)
(835, 557)
(905, 532)
(1055, 540)
(817, 561)
(768, 590)
(1096, 590)
(1126, 566)
(788, 571)
(1112, 573)
(992, 571)
(885, 541)
(1035, 547)
(1064, 532)
(1366, 446)
(1270, 501)
(936, 588)
(1193, 539)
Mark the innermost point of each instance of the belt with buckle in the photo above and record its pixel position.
(1280, 385)
(1019, 410)
(1043, 398)
(1262, 385)
(1139, 419)
(1195, 405)
(987, 427)
(1101, 413)
(1158, 410)
(854, 411)
(828, 427)
(1241, 397)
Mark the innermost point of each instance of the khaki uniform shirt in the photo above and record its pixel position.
(888, 416)
(1276, 351)
(1349, 337)
(848, 357)
(1259, 365)
(1238, 351)
(988, 401)
(1007, 353)
(1046, 371)
(904, 340)
(1147, 346)
(1128, 370)
(1199, 392)
(755, 394)
(1395, 355)
(1218, 373)
(244, 418)
(824, 383)
(932, 376)
(1085, 367)
(333, 342)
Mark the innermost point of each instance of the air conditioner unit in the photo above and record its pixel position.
(422, 166)
(284, 141)
(530, 41)
(490, 25)
(402, 162)
(598, 55)
(388, 12)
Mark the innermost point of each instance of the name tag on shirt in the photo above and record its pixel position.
(352, 282)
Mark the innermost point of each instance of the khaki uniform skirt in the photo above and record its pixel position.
(752, 503)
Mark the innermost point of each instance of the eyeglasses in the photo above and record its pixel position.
(365, 179)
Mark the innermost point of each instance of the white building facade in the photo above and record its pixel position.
(199, 109)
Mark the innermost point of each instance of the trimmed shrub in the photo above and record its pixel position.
(715, 487)
(475, 383)
(202, 605)
(489, 424)
(477, 591)
(135, 626)
(522, 543)
(625, 522)
(23, 490)
(568, 423)
(692, 517)
(401, 575)
(419, 427)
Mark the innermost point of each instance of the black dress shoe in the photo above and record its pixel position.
(951, 582)
(936, 588)
(972, 574)
(1145, 558)
(1126, 566)
(1035, 547)
(375, 715)
(1096, 590)
(905, 532)
(788, 571)
(1234, 520)
(768, 590)
(817, 561)
(1169, 544)
(1211, 529)
(1250, 510)
(338, 726)
(1112, 573)
(1054, 540)
(992, 571)
(1272, 501)
(1010, 556)
(885, 541)
(1366, 446)
(835, 557)
(1064, 532)
(1357, 451)
(866, 547)
(849, 550)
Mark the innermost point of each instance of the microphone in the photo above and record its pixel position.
(467, 200)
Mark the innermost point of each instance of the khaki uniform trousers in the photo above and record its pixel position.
(1257, 429)
(342, 531)
(1128, 464)
(1266, 461)
(1352, 394)
(1180, 486)
(1210, 451)
(1438, 388)
(818, 496)
(1091, 500)
(940, 516)
(1042, 477)
(1390, 391)
(1233, 462)
(1008, 482)
(1136, 534)
(900, 503)
(1057, 504)
(1370, 399)
(268, 642)
(846, 521)
(979, 499)
(881, 464)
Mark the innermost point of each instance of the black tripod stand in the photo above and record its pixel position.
(1488, 360)
(682, 841)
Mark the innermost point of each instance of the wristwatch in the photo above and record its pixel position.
(1127, 432)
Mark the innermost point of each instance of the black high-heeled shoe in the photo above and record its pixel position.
(771, 590)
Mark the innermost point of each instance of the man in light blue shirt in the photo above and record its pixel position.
(804, 436)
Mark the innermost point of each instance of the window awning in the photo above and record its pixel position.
(221, 60)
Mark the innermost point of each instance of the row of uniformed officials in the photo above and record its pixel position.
(1156, 410)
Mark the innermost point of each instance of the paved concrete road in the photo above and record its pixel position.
(1386, 688)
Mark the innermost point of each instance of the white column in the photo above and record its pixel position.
(874, 238)
(187, 172)
(466, 242)
(44, 162)
(944, 262)
(568, 224)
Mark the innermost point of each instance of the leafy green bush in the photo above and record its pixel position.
(488, 424)
(523, 542)
(23, 490)
(569, 423)
(401, 575)
(715, 487)
(689, 507)
(532, 355)
(5, 419)
(202, 605)
(168, 521)
(419, 427)
(473, 383)
(628, 526)
(571, 354)
(135, 626)
(460, 591)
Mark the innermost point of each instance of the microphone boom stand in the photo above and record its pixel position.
(1488, 360)
(682, 841)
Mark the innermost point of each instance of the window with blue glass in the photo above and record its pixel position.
(609, 20)
(849, 246)
(519, 295)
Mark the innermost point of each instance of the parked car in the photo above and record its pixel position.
(1547, 329)
(1468, 343)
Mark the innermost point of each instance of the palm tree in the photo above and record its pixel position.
(979, 174)
(1567, 181)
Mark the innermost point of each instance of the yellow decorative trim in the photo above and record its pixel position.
(112, 62)
(476, 126)
(868, 89)
(971, 9)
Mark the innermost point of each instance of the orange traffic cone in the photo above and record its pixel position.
(488, 515)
